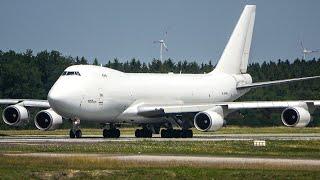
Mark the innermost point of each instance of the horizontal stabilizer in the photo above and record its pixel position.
(269, 83)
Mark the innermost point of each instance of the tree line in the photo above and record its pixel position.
(28, 75)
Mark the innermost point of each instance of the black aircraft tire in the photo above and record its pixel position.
(78, 133)
(71, 134)
(148, 134)
(106, 133)
(116, 133)
(164, 133)
(177, 133)
(138, 133)
(190, 133)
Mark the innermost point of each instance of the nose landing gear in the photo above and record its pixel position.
(75, 131)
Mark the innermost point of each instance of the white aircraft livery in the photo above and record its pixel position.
(158, 101)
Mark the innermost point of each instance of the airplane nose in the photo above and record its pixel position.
(64, 98)
(56, 96)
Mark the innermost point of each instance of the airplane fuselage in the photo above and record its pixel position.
(93, 93)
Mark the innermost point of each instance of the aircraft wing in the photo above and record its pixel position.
(269, 83)
(157, 110)
(26, 102)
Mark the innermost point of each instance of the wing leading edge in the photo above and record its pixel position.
(157, 110)
(26, 102)
(269, 83)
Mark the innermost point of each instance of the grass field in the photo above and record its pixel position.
(128, 131)
(94, 168)
(287, 149)
(13, 167)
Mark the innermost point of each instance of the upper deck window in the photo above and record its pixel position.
(70, 73)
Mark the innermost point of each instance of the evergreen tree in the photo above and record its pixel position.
(95, 62)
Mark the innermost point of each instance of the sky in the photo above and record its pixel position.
(197, 30)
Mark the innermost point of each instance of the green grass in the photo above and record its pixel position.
(287, 149)
(95, 168)
(13, 167)
(130, 131)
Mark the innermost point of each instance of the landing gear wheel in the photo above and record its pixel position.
(163, 133)
(78, 133)
(167, 133)
(111, 133)
(138, 133)
(116, 133)
(72, 134)
(143, 133)
(176, 133)
(186, 133)
(106, 133)
(148, 134)
(75, 131)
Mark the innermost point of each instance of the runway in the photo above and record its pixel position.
(197, 137)
(195, 160)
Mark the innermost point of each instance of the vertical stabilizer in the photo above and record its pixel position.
(234, 59)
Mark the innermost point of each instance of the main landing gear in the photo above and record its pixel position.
(184, 132)
(143, 133)
(112, 132)
(176, 133)
(75, 131)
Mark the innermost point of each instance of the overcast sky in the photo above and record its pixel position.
(197, 30)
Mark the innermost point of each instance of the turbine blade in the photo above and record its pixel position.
(165, 46)
(301, 44)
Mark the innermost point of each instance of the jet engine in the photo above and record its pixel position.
(47, 120)
(210, 120)
(296, 117)
(15, 115)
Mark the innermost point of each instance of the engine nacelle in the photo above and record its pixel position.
(210, 120)
(296, 117)
(15, 115)
(47, 120)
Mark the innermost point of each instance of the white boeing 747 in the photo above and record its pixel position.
(154, 101)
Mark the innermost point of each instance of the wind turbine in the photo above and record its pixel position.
(306, 51)
(162, 45)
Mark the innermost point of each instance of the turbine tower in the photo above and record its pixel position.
(306, 51)
(162, 45)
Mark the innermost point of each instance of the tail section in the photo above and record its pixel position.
(234, 59)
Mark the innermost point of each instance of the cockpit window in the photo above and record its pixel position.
(70, 73)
